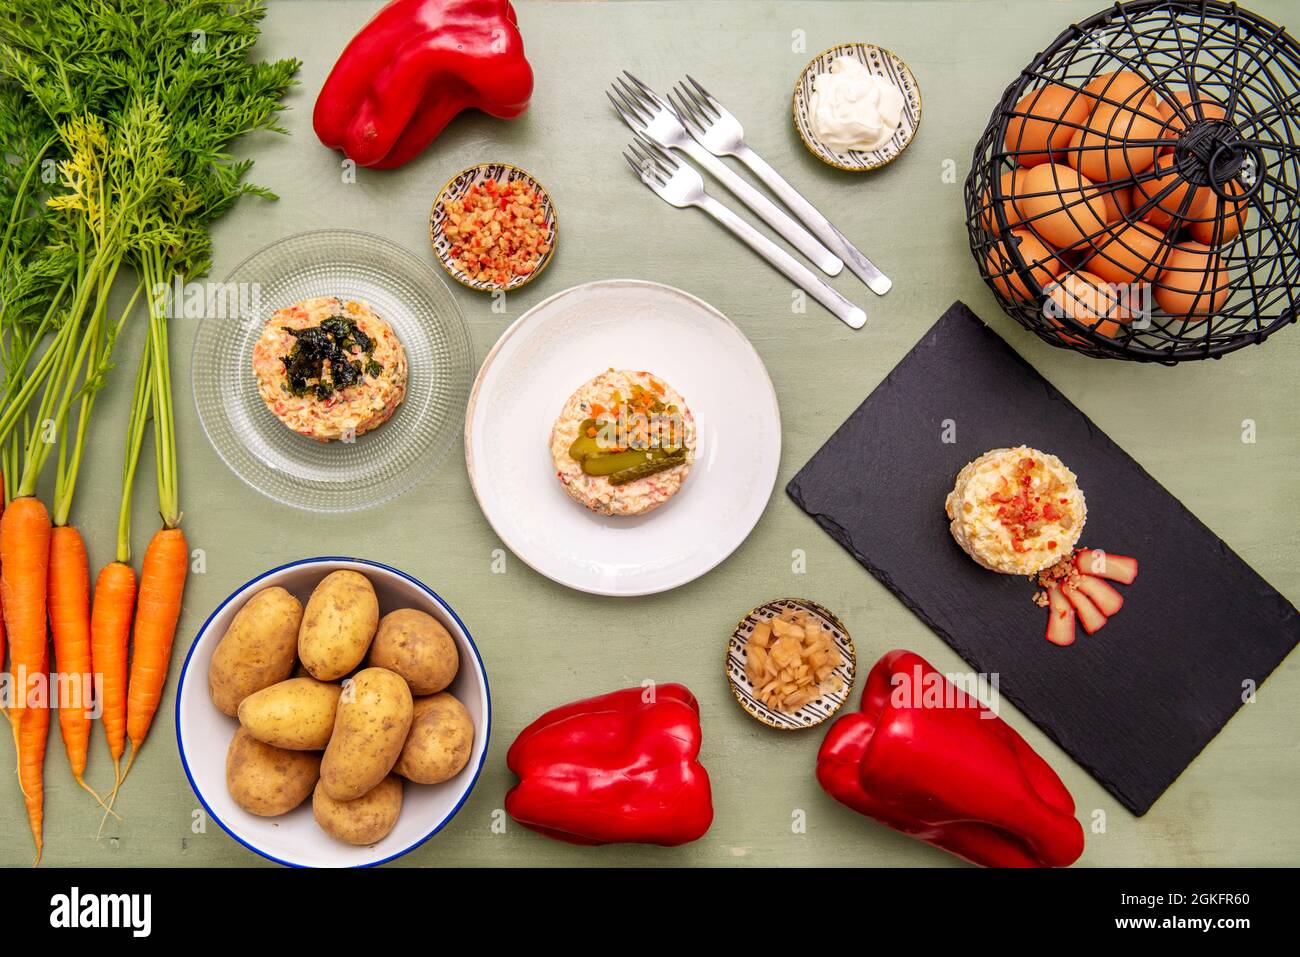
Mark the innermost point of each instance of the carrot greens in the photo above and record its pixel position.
(132, 105)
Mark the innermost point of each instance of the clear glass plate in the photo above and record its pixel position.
(404, 291)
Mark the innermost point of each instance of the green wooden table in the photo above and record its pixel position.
(544, 644)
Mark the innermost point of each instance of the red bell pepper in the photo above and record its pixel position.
(412, 68)
(621, 767)
(945, 769)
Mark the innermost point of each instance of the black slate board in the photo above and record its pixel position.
(1133, 704)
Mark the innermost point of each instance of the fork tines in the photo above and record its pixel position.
(635, 102)
(695, 106)
(651, 161)
(683, 108)
(642, 89)
(628, 105)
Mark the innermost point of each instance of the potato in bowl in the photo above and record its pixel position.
(204, 733)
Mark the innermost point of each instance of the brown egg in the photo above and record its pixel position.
(988, 216)
(1062, 205)
(1125, 108)
(1122, 88)
(1111, 145)
(1194, 284)
(1129, 252)
(1047, 120)
(1218, 221)
(1119, 203)
(1089, 299)
(1169, 206)
(1044, 266)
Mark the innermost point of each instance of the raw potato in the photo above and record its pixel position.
(337, 626)
(370, 728)
(297, 714)
(258, 649)
(268, 781)
(442, 735)
(365, 820)
(418, 648)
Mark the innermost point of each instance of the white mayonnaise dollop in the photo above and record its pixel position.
(853, 109)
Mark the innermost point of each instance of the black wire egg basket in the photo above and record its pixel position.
(1136, 193)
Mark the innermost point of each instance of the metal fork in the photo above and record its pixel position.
(648, 115)
(718, 131)
(679, 184)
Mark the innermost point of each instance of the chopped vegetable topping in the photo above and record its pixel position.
(1019, 504)
(497, 231)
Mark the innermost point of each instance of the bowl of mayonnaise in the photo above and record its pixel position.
(857, 106)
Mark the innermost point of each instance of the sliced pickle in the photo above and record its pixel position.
(646, 467)
(625, 465)
(585, 446)
(610, 463)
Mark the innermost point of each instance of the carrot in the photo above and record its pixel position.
(69, 609)
(166, 560)
(24, 570)
(110, 630)
(33, 732)
(2, 617)
(114, 604)
(162, 583)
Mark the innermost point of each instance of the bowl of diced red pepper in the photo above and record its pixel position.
(493, 227)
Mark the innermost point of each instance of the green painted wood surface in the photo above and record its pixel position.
(544, 644)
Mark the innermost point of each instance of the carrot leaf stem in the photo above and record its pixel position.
(140, 406)
(101, 351)
(164, 430)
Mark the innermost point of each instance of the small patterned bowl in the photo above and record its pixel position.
(457, 187)
(814, 712)
(881, 62)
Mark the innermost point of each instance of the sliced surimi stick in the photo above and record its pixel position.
(1060, 618)
(1118, 568)
(1090, 615)
(1106, 598)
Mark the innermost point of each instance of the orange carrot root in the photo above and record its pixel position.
(69, 609)
(34, 731)
(24, 572)
(110, 633)
(162, 583)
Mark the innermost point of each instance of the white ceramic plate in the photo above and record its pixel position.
(557, 346)
(204, 733)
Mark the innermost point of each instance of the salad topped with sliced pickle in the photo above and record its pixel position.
(631, 437)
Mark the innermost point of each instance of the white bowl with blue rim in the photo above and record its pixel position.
(203, 733)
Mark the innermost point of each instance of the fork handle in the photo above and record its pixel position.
(853, 316)
(766, 210)
(860, 265)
